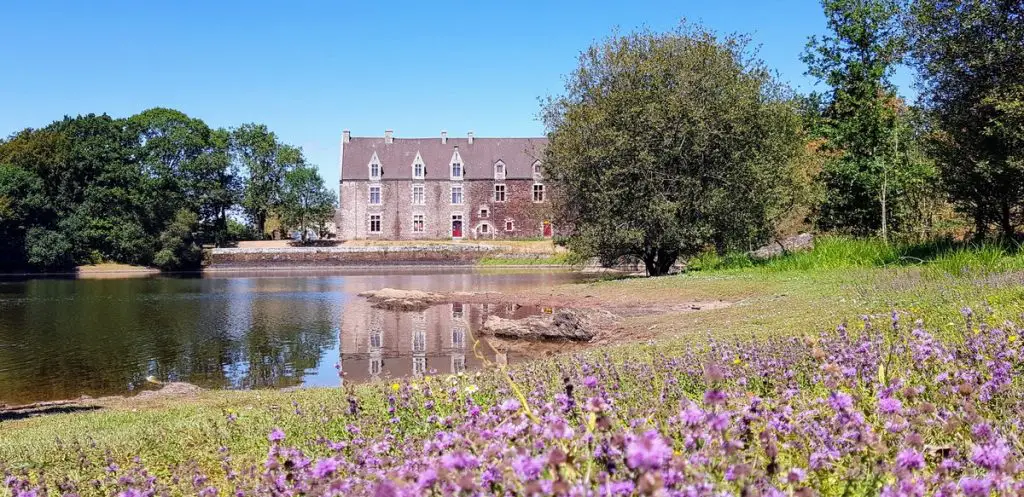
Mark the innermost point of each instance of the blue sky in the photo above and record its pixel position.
(310, 69)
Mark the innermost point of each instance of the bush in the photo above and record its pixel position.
(48, 249)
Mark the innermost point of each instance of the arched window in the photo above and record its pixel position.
(499, 171)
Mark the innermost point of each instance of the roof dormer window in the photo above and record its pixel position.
(418, 168)
(537, 171)
(375, 169)
(457, 169)
(499, 171)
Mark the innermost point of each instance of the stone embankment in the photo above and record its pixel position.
(397, 255)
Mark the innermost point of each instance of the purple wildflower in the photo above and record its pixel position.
(325, 468)
(976, 487)
(276, 435)
(889, 405)
(910, 459)
(590, 382)
(648, 451)
(991, 456)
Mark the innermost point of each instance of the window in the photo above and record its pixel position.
(538, 193)
(537, 170)
(375, 171)
(374, 223)
(456, 169)
(499, 171)
(417, 195)
(374, 195)
(484, 212)
(419, 366)
(417, 167)
(499, 193)
(458, 363)
(376, 365)
(457, 311)
(419, 341)
(417, 223)
(376, 339)
(456, 194)
(510, 225)
(458, 337)
(485, 228)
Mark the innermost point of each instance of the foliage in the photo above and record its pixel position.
(665, 143)
(872, 177)
(92, 188)
(266, 161)
(178, 248)
(971, 67)
(305, 202)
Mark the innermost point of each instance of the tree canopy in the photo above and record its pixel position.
(664, 144)
(149, 189)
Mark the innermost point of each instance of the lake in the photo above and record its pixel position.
(64, 338)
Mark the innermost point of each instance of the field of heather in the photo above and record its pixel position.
(846, 381)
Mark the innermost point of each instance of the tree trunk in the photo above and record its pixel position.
(261, 223)
(1005, 221)
(658, 262)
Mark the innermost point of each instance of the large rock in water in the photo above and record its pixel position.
(562, 325)
(402, 300)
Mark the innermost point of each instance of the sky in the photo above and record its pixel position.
(310, 69)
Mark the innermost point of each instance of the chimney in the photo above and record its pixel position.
(346, 136)
(470, 135)
(444, 137)
(389, 136)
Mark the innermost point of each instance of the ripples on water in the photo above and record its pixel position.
(66, 338)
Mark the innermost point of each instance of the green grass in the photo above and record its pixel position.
(545, 260)
(831, 252)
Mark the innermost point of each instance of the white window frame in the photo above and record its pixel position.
(456, 160)
(423, 194)
(380, 224)
(423, 223)
(374, 163)
(371, 189)
(508, 222)
(504, 193)
(500, 176)
(480, 228)
(418, 165)
(484, 212)
(538, 171)
(542, 190)
(462, 195)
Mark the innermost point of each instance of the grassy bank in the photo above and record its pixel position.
(776, 343)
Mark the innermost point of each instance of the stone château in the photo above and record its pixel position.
(443, 188)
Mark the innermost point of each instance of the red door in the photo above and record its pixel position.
(456, 228)
(547, 229)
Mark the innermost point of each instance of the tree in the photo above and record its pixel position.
(969, 55)
(178, 247)
(866, 174)
(664, 144)
(306, 202)
(22, 206)
(266, 161)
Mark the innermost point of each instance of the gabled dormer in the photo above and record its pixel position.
(456, 168)
(538, 171)
(499, 170)
(419, 169)
(374, 168)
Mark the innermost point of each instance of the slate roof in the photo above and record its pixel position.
(478, 159)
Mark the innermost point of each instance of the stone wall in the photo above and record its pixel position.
(349, 256)
(396, 210)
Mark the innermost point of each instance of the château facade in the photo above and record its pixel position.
(443, 188)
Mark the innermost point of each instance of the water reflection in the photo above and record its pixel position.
(65, 338)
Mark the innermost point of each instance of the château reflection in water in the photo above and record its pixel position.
(442, 339)
(64, 338)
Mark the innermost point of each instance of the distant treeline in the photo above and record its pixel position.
(151, 189)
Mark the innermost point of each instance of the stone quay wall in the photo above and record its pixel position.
(432, 254)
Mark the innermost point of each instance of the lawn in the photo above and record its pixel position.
(763, 397)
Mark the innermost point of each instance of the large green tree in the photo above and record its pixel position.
(265, 161)
(665, 144)
(305, 201)
(868, 174)
(970, 58)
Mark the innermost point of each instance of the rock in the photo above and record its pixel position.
(796, 243)
(401, 300)
(174, 388)
(562, 325)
